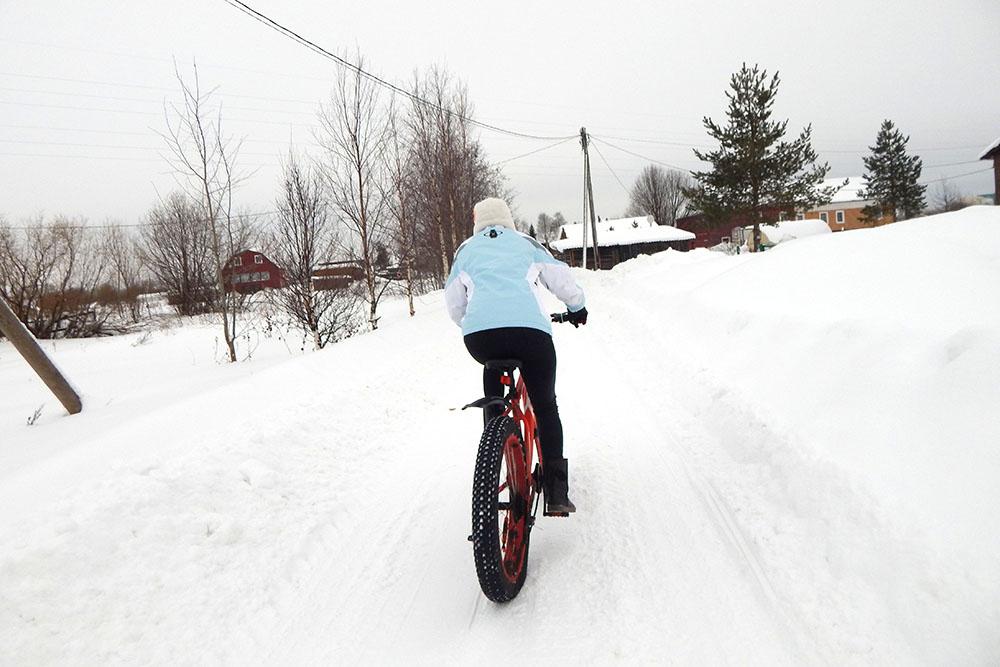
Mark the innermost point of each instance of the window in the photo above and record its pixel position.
(237, 261)
(840, 217)
(824, 217)
(800, 216)
(257, 259)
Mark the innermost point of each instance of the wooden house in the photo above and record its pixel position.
(706, 236)
(842, 213)
(250, 271)
(844, 210)
(337, 275)
(619, 240)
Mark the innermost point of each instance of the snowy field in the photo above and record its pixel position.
(790, 458)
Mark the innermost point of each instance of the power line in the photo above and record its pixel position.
(643, 157)
(71, 129)
(692, 145)
(518, 157)
(680, 144)
(118, 84)
(150, 113)
(141, 100)
(611, 170)
(915, 150)
(951, 164)
(274, 25)
(129, 225)
(948, 178)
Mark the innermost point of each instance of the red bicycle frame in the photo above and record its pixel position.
(520, 467)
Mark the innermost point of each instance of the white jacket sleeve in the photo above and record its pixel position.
(558, 279)
(457, 293)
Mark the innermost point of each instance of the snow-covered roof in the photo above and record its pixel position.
(989, 149)
(794, 229)
(624, 231)
(846, 193)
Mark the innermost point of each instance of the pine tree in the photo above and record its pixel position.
(891, 178)
(754, 172)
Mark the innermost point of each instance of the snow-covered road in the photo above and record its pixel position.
(738, 501)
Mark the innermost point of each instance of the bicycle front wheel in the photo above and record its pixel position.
(500, 511)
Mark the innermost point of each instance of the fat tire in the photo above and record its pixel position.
(500, 583)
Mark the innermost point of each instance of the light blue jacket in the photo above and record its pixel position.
(495, 280)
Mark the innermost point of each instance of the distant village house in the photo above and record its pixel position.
(337, 275)
(842, 213)
(250, 271)
(619, 240)
(844, 210)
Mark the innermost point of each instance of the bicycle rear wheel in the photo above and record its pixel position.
(500, 512)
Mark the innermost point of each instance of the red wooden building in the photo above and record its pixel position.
(250, 271)
(705, 236)
(337, 275)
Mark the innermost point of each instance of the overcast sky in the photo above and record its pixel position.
(83, 86)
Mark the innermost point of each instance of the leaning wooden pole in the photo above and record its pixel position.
(26, 344)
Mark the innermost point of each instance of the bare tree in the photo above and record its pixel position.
(204, 159)
(305, 237)
(448, 170)
(356, 136)
(124, 265)
(946, 197)
(400, 202)
(659, 192)
(547, 227)
(49, 274)
(177, 251)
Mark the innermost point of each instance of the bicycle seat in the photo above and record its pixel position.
(503, 364)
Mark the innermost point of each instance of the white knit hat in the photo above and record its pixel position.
(492, 212)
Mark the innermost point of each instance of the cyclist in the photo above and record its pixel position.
(493, 294)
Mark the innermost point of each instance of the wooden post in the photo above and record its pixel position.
(26, 344)
(588, 199)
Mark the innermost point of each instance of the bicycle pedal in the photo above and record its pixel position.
(556, 513)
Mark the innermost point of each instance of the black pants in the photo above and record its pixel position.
(538, 368)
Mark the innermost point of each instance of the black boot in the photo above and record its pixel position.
(556, 478)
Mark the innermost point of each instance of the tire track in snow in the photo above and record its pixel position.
(639, 380)
(666, 506)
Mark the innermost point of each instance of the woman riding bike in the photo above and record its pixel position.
(493, 294)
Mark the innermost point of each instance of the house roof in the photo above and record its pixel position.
(846, 193)
(623, 231)
(990, 150)
(794, 229)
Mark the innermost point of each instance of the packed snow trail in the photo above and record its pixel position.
(640, 573)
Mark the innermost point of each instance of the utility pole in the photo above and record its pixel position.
(25, 343)
(588, 201)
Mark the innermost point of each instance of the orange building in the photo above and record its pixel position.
(844, 210)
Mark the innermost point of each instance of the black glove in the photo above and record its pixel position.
(577, 318)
